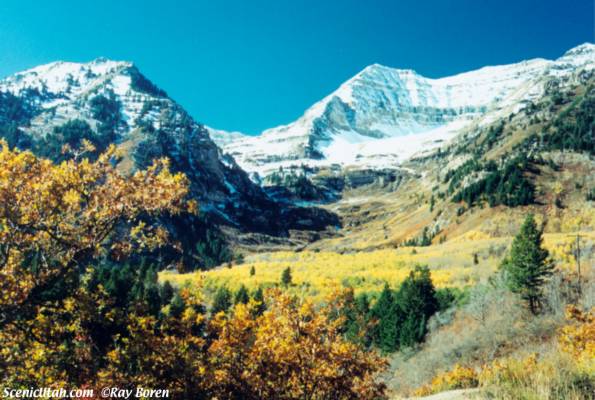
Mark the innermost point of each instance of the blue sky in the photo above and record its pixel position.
(249, 65)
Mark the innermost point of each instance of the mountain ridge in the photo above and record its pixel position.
(107, 102)
(382, 108)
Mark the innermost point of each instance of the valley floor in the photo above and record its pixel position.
(461, 262)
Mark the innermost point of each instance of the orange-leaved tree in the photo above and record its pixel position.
(55, 221)
(294, 350)
(60, 326)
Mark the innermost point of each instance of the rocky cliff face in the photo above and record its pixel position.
(383, 116)
(112, 102)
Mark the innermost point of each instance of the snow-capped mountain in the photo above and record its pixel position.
(112, 102)
(383, 116)
(63, 91)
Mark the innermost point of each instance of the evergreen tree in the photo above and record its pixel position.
(166, 292)
(242, 295)
(176, 306)
(286, 277)
(348, 311)
(416, 302)
(362, 304)
(259, 298)
(252, 271)
(362, 310)
(222, 300)
(385, 334)
(152, 298)
(528, 265)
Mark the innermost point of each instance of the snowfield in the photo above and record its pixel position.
(384, 116)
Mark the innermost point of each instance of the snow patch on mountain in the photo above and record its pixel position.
(383, 116)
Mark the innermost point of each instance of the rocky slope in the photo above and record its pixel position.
(384, 116)
(112, 102)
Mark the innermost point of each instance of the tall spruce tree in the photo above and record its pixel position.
(176, 306)
(241, 295)
(528, 266)
(286, 278)
(362, 309)
(259, 299)
(221, 301)
(416, 302)
(385, 313)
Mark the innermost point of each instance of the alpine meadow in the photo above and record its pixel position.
(409, 236)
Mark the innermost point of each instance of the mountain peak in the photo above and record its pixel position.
(101, 65)
(377, 70)
(382, 116)
(61, 77)
(582, 49)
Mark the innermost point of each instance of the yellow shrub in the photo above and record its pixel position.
(509, 370)
(578, 337)
(458, 378)
(565, 371)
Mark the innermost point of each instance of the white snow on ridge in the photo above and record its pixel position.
(62, 77)
(383, 116)
(65, 87)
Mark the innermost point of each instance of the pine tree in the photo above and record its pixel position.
(416, 302)
(362, 309)
(384, 312)
(166, 292)
(362, 304)
(259, 298)
(252, 271)
(353, 320)
(152, 298)
(241, 295)
(176, 306)
(286, 277)
(528, 265)
(221, 301)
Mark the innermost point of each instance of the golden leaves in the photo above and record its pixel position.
(67, 212)
(577, 338)
(292, 351)
(459, 377)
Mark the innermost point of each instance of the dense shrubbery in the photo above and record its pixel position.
(396, 320)
(563, 371)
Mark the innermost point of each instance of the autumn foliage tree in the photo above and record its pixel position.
(56, 220)
(68, 319)
(294, 350)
